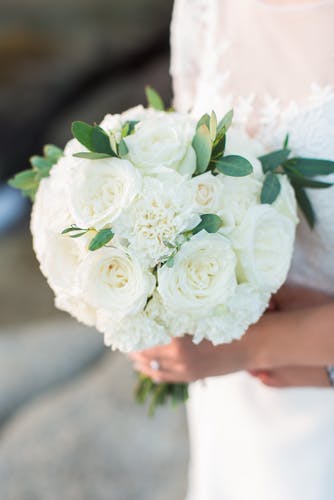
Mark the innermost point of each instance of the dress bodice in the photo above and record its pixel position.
(274, 64)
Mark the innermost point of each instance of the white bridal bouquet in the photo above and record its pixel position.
(152, 225)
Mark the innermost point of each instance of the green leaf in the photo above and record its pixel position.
(42, 165)
(305, 206)
(204, 120)
(93, 138)
(25, 180)
(101, 141)
(286, 142)
(122, 148)
(71, 229)
(213, 126)
(226, 122)
(300, 181)
(170, 261)
(271, 188)
(129, 127)
(273, 160)
(311, 167)
(83, 133)
(91, 156)
(234, 166)
(211, 223)
(102, 238)
(203, 148)
(154, 100)
(53, 153)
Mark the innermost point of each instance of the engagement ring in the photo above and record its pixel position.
(155, 365)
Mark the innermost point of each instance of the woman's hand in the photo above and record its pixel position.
(183, 361)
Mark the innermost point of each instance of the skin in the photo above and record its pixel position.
(288, 347)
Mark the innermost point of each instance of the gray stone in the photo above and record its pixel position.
(90, 441)
(39, 356)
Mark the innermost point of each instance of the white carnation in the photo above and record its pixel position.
(114, 280)
(158, 215)
(100, 189)
(133, 333)
(264, 245)
(165, 140)
(202, 277)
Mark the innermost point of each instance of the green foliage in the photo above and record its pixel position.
(129, 128)
(310, 167)
(271, 161)
(271, 188)
(74, 231)
(305, 206)
(28, 181)
(211, 223)
(91, 156)
(93, 137)
(122, 148)
(202, 145)
(101, 239)
(234, 166)
(159, 394)
(154, 100)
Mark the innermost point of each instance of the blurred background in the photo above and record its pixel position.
(68, 425)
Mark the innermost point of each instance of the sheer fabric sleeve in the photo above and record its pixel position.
(187, 31)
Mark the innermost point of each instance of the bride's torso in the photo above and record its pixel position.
(274, 65)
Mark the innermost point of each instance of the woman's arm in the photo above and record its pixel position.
(300, 338)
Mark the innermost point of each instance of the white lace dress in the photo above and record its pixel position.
(274, 64)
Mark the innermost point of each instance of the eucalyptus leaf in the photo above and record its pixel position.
(129, 127)
(271, 188)
(101, 239)
(204, 120)
(154, 100)
(226, 122)
(53, 153)
(213, 126)
(203, 148)
(122, 148)
(300, 181)
(170, 261)
(25, 180)
(83, 133)
(234, 166)
(101, 141)
(275, 159)
(72, 229)
(305, 206)
(211, 223)
(92, 156)
(311, 167)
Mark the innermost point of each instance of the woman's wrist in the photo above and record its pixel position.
(302, 337)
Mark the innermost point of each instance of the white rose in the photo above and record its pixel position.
(100, 189)
(240, 194)
(132, 334)
(202, 277)
(264, 245)
(114, 280)
(158, 215)
(165, 140)
(286, 203)
(59, 256)
(206, 193)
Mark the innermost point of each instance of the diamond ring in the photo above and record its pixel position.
(155, 365)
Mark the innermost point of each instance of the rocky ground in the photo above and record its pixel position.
(69, 427)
